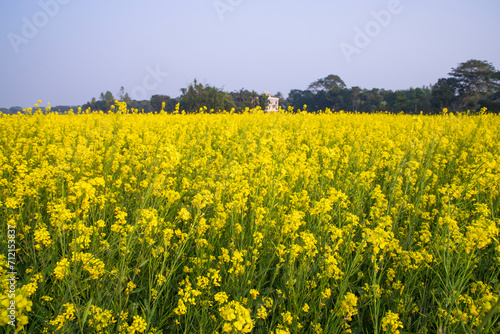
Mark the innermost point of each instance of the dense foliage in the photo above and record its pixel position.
(252, 222)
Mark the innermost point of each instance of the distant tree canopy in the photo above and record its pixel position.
(357, 99)
(197, 96)
(244, 98)
(124, 96)
(11, 110)
(157, 102)
(331, 92)
(445, 94)
(470, 86)
(328, 83)
(476, 81)
(106, 100)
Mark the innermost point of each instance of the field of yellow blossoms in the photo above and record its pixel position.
(326, 222)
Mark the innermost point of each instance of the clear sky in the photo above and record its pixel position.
(68, 51)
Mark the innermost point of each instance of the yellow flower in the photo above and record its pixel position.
(100, 223)
(184, 214)
(391, 323)
(348, 306)
(42, 237)
(67, 316)
(61, 269)
(254, 293)
(93, 265)
(21, 306)
(287, 318)
(221, 297)
(130, 287)
(100, 319)
(181, 308)
(261, 312)
(305, 308)
(139, 325)
(237, 318)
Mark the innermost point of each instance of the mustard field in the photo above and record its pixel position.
(326, 222)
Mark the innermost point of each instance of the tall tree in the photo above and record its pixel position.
(444, 94)
(327, 83)
(475, 78)
(372, 101)
(197, 96)
(157, 102)
(109, 100)
(244, 98)
(263, 101)
(121, 93)
(355, 93)
(123, 96)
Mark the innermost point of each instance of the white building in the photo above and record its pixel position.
(274, 103)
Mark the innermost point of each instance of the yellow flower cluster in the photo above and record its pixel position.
(67, 316)
(391, 323)
(188, 296)
(93, 265)
(101, 319)
(61, 269)
(349, 306)
(14, 310)
(138, 325)
(290, 222)
(237, 318)
(130, 287)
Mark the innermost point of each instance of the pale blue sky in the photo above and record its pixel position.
(79, 49)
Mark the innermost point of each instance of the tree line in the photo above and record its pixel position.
(472, 85)
(194, 98)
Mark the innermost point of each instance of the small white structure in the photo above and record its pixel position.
(274, 103)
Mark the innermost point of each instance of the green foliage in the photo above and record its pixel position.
(328, 83)
(198, 96)
(165, 102)
(124, 96)
(109, 99)
(444, 94)
(245, 98)
(357, 99)
(475, 79)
